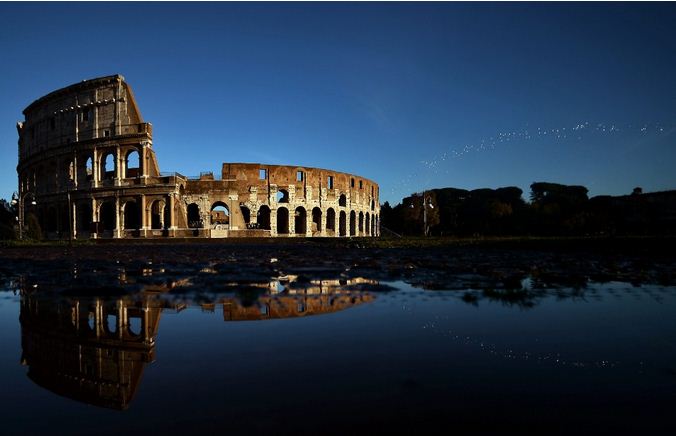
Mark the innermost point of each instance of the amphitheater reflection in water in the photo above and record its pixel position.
(94, 349)
(566, 349)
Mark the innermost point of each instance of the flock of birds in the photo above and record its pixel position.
(579, 132)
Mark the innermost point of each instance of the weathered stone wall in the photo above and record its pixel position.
(86, 160)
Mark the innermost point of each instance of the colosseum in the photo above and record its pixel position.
(87, 169)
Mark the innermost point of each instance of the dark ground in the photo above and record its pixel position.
(495, 266)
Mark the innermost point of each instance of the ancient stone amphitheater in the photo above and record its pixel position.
(87, 168)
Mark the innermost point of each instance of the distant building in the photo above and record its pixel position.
(87, 158)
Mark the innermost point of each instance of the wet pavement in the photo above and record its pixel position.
(314, 338)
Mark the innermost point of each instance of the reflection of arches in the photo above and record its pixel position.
(132, 164)
(132, 216)
(316, 220)
(194, 219)
(353, 223)
(107, 215)
(331, 219)
(263, 217)
(282, 196)
(361, 223)
(368, 224)
(220, 214)
(135, 326)
(282, 220)
(300, 220)
(342, 226)
(342, 200)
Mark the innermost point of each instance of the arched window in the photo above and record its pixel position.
(107, 215)
(263, 218)
(316, 220)
(157, 215)
(132, 216)
(108, 167)
(353, 223)
(84, 216)
(330, 219)
(282, 196)
(342, 226)
(194, 218)
(368, 224)
(132, 164)
(361, 223)
(342, 200)
(220, 214)
(246, 213)
(282, 221)
(300, 221)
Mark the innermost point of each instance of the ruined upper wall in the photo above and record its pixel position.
(93, 109)
(301, 177)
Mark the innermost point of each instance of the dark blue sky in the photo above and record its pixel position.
(413, 96)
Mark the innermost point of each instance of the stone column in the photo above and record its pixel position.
(142, 161)
(118, 167)
(117, 233)
(322, 221)
(273, 222)
(292, 220)
(73, 219)
(144, 217)
(95, 167)
(308, 224)
(172, 216)
(95, 218)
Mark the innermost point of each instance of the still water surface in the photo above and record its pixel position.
(336, 357)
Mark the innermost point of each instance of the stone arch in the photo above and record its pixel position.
(263, 217)
(316, 220)
(132, 163)
(330, 220)
(300, 220)
(157, 215)
(51, 220)
(342, 223)
(220, 214)
(132, 215)
(107, 215)
(367, 226)
(84, 215)
(107, 166)
(353, 223)
(342, 200)
(194, 217)
(282, 221)
(246, 213)
(52, 177)
(361, 223)
(87, 172)
(282, 196)
(373, 205)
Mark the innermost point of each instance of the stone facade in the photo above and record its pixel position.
(86, 158)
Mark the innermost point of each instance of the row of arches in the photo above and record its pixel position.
(341, 224)
(59, 175)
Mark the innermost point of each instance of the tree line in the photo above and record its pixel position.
(552, 210)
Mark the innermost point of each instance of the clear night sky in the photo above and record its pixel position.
(413, 96)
